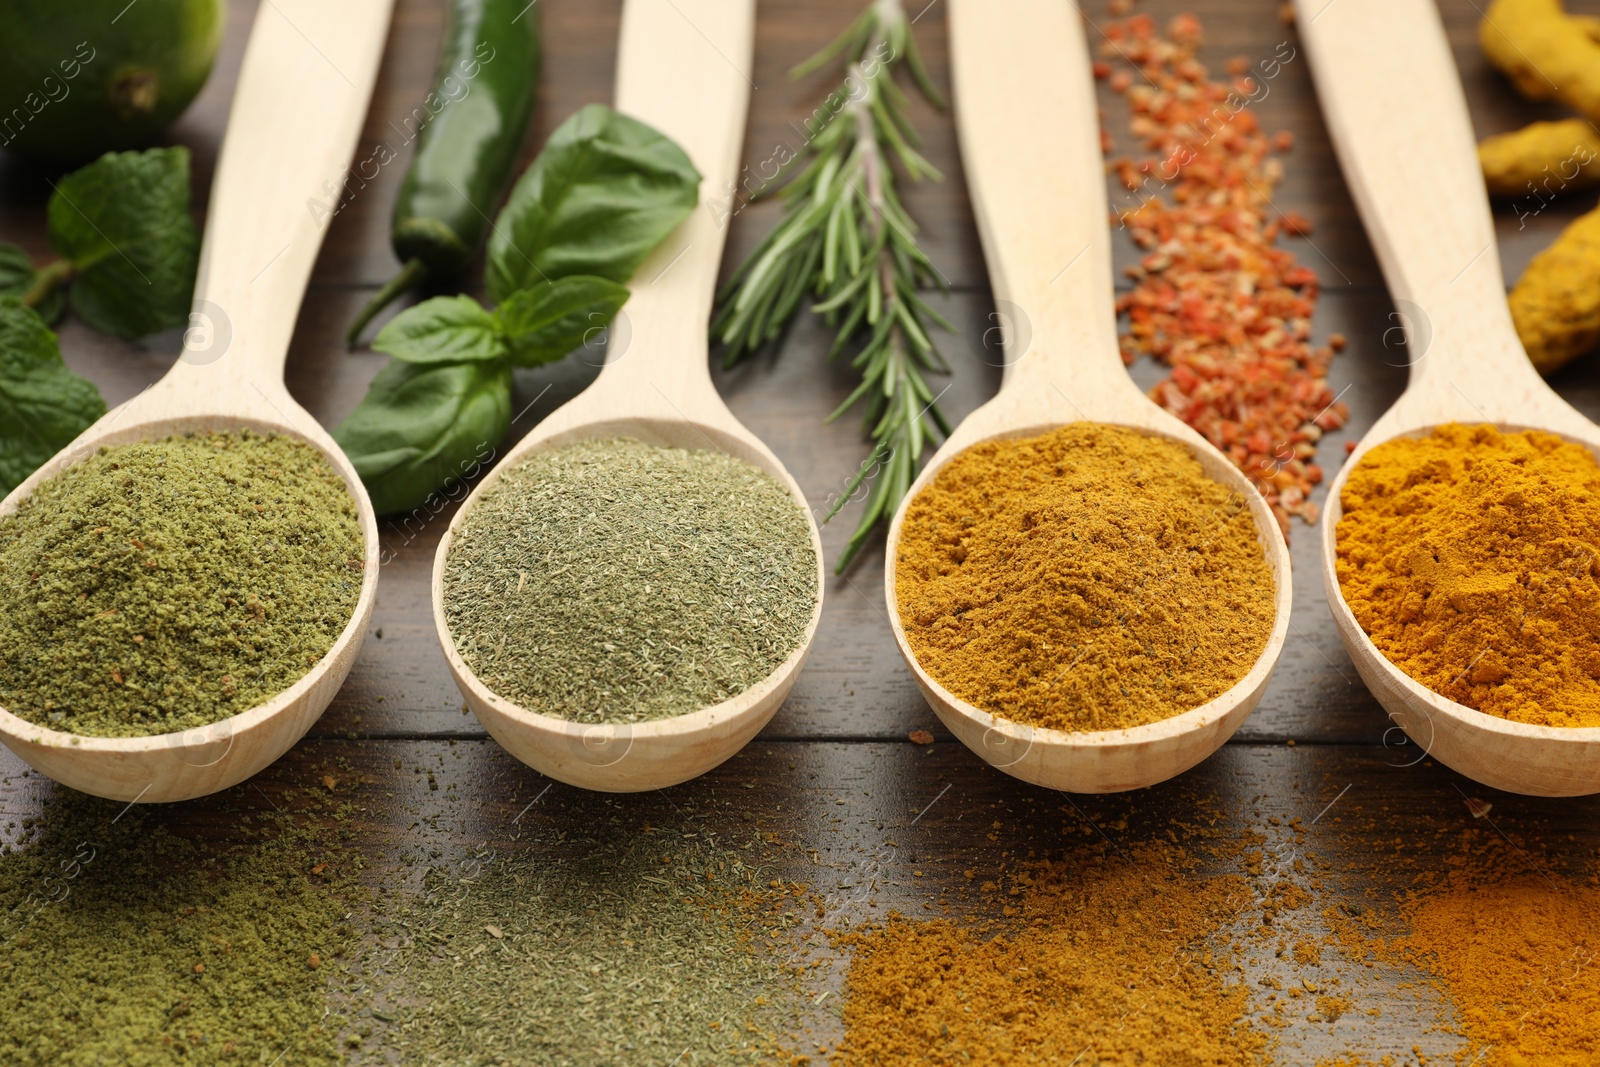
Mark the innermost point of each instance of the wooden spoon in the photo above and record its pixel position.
(1025, 110)
(683, 68)
(297, 110)
(1393, 104)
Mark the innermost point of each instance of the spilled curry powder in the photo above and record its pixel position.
(1113, 962)
(1471, 557)
(1089, 578)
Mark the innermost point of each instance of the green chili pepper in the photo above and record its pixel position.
(472, 127)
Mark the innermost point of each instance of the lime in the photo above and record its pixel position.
(84, 77)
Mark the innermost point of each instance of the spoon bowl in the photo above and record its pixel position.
(303, 58)
(1407, 131)
(679, 68)
(1042, 218)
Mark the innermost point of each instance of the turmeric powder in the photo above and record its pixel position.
(1471, 557)
(1545, 52)
(1090, 578)
(1541, 160)
(1517, 955)
(1556, 303)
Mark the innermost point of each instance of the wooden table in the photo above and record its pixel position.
(835, 771)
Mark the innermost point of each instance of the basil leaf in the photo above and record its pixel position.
(446, 329)
(422, 425)
(43, 405)
(602, 194)
(16, 277)
(123, 222)
(544, 323)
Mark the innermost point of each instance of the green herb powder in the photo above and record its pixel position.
(648, 949)
(617, 581)
(123, 943)
(164, 585)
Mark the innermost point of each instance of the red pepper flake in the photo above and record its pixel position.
(1214, 297)
(1296, 224)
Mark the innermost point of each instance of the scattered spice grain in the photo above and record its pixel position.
(1471, 557)
(1111, 961)
(123, 943)
(638, 948)
(1214, 297)
(618, 581)
(1505, 938)
(1515, 950)
(1090, 578)
(165, 585)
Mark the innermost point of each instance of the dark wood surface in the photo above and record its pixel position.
(834, 771)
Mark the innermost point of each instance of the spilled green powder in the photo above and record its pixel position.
(649, 947)
(160, 586)
(122, 943)
(617, 581)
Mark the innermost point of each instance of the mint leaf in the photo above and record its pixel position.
(43, 405)
(602, 194)
(16, 270)
(545, 322)
(446, 329)
(123, 222)
(16, 277)
(422, 425)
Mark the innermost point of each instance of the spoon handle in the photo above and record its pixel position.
(1030, 146)
(683, 67)
(297, 110)
(1392, 100)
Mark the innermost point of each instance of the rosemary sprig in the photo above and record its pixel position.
(847, 242)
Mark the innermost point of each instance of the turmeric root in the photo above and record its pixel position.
(1546, 53)
(1556, 303)
(1542, 159)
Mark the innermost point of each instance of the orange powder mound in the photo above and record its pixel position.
(1471, 557)
(1519, 957)
(1090, 578)
(1109, 964)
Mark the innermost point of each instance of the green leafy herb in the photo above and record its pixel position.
(446, 329)
(423, 425)
(43, 405)
(846, 241)
(17, 278)
(545, 322)
(603, 193)
(122, 228)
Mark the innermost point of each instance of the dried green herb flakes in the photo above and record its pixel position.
(617, 581)
(164, 585)
(646, 949)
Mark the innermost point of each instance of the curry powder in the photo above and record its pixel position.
(1089, 578)
(1469, 556)
(1126, 961)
